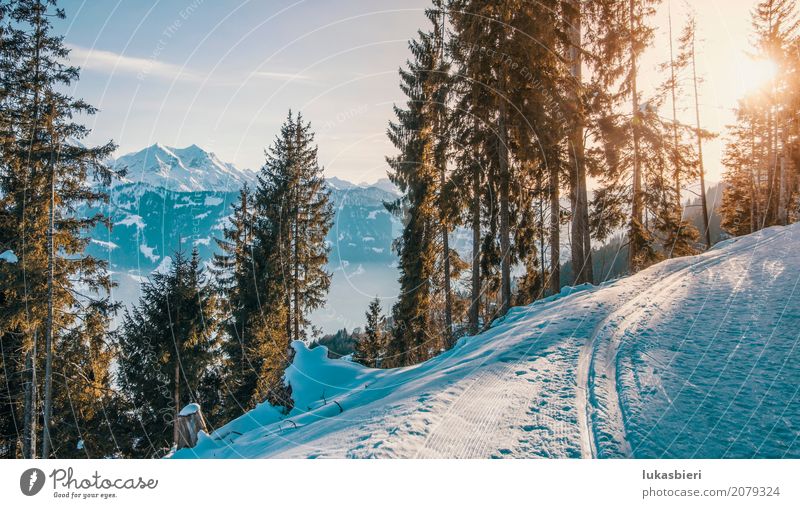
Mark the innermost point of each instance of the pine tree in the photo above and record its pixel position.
(85, 401)
(45, 177)
(294, 205)
(516, 85)
(169, 353)
(414, 170)
(761, 178)
(255, 343)
(370, 347)
(776, 25)
(630, 151)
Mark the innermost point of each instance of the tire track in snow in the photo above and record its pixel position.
(612, 328)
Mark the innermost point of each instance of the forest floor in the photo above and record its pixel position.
(695, 357)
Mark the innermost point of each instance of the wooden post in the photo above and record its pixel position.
(190, 422)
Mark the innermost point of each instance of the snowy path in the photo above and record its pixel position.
(692, 357)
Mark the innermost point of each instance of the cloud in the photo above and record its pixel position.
(281, 76)
(111, 63)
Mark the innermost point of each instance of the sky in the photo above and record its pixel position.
(223, 74)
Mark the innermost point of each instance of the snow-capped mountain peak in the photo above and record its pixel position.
(182, 169)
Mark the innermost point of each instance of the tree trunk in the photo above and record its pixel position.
(753, 193)
(541, 241)
(769, 212)
(782, 195)
(636, 201)
(48, 366)
(675, 162)
(296, 281)
(177, 395)
(759, 211)
(703, 201)
(581, 246)
(555, 233)
(30, 414)
(189, 423)
(474, 307)
(505, 243)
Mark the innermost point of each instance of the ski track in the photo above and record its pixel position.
(582, 375)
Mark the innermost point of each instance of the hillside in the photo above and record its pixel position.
(693, 357)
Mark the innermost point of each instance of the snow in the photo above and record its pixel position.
(164, 265)
(213, 201)
(131, 220)
(693, 357)
(149, 252)
(182, 169)
(9, 256)
(105, 245)
(190, 409)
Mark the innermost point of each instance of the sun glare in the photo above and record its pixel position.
(754, 74)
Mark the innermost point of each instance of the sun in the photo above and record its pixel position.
(754, 74)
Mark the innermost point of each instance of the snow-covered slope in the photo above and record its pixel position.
(693, 357)
(182, 169)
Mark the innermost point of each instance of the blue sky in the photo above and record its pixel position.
(223, 74)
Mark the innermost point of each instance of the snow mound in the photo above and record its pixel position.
(189, 409)
(693, 357)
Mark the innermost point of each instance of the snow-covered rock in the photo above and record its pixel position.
(693, 357)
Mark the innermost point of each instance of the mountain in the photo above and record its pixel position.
(187, 169)
(182, 197)
(173, 195)
(383, 184)
(694, 357)
(337, 183)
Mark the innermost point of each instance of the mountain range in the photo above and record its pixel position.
(182, 197)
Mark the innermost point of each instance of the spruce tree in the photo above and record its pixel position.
(255, 343)
(761, 161)
(414, 170)
(370, 347)
(45, 179)
(294, 208)
(169, 354)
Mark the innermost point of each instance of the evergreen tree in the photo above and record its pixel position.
(85, 403)
(415, 172)
(294, 209)
(44, 178)
(761, 154)
(255, 343)
(169, 354)
(370, 347)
